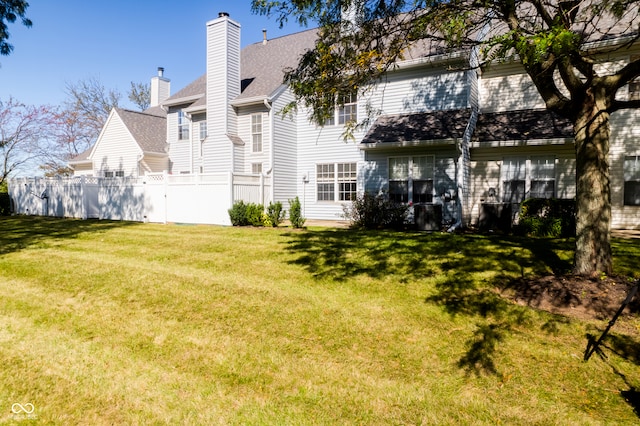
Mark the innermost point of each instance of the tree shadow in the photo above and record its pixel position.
(22, 232)
(629, 349)
(455, 259)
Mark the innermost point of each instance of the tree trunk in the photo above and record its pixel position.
(593, 191)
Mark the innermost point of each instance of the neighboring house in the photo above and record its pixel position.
(131, 143)
(443, 134)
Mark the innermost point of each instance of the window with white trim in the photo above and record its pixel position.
(256, 168)
(411, 179)
(347, 181)
(345, 111)
(336, 181)
(348, 108)
(119, 173)
(523, 177)
(543, 177)
(183, 126)
(632, 180)
(256, 133)
(108, 174)
(203, 130)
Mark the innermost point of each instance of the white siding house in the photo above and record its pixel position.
(441, 134)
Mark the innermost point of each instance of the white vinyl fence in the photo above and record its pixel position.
(159, 197)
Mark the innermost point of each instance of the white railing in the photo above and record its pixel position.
(157, 197)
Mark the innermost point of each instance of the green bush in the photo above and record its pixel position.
(376, 211)
(243, 214)
(238, 214)
(295, 213)
(547, 217)
(254, 214)
(5, 204)
(275, 214)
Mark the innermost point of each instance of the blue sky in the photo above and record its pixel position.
(116, 42)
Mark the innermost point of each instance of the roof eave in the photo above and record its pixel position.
(184, 100)
(521, 142)
(255, 100)
(409, 144)
(433, 60)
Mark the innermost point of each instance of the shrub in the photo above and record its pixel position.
(254, 214)
(275, 214)
(5, 204)
(547, 217)
(238, 214)
(243, 214)
(375, 211)
(295, 213)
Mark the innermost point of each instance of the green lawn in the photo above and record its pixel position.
(123, 323)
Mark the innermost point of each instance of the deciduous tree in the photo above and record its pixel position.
(24, 132)
(559, 43)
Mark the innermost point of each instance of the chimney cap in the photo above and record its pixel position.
(223, 14)
(160, 71)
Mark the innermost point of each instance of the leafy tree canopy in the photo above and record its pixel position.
(10, 11)
(561, 45)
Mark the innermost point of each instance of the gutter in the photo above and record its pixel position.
(184, 100)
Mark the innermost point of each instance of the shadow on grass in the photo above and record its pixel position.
(21, 232)
(630, 349)
(454, 260)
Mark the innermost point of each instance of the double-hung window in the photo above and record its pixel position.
(345, 111)
(183, 126)
(514, 179)
(632, 180)
(203, 130)
(533, 177)
(325, 179)
(543, 177)
(347, 181)
(348, 108)
(336, 181)
(256, 133)
(411, 179)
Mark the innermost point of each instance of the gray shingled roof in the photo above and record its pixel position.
(83, 156)
(197, 87)
(445, 125)
(521, 125)
(263, 65)
(150, 131)
(425, 126)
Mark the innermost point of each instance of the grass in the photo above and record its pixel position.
(123, 323)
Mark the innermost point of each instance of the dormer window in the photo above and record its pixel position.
(183, 126)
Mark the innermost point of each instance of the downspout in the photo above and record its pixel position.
(463, 176)
(271, 148)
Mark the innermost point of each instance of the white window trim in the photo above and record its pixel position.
(338, 109)
(410, 177)
(254, 133)
(625, 179)
(528, 174)
(183, 121)
(335, 181)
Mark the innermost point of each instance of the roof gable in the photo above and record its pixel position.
(148, 130)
